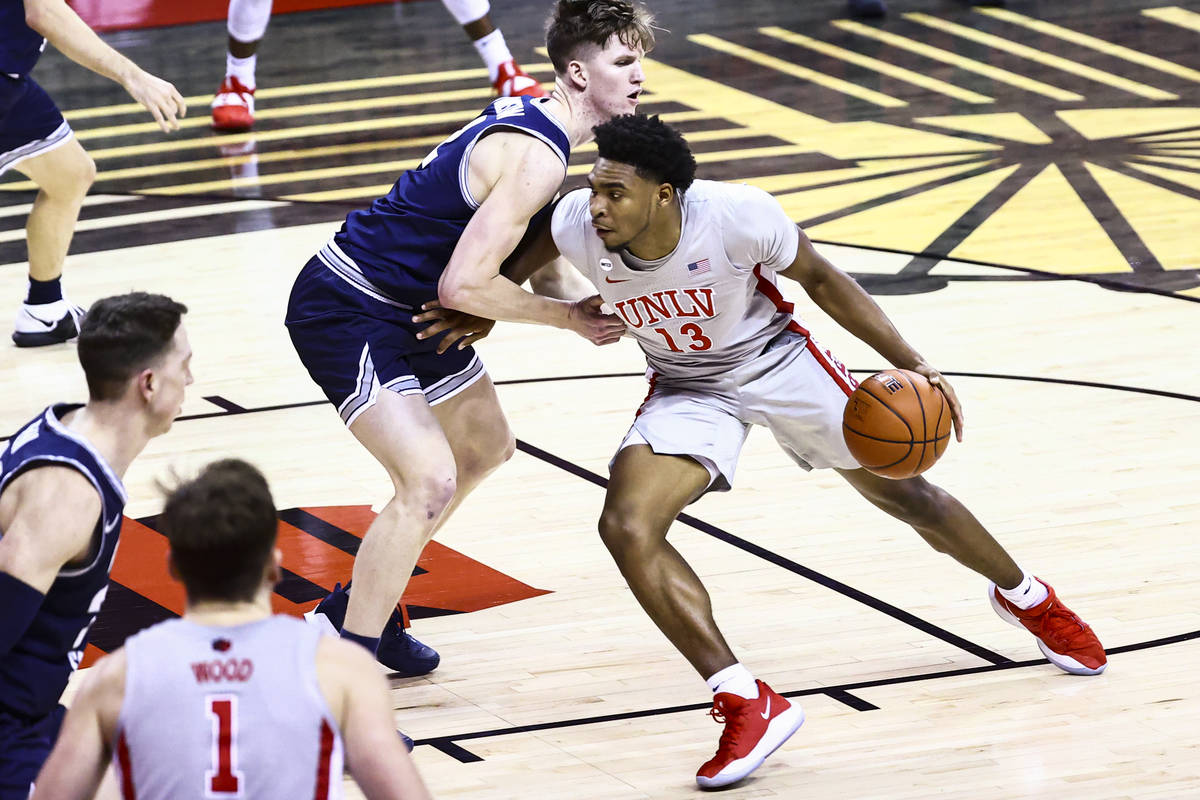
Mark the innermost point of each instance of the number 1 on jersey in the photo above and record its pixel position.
(224, 779)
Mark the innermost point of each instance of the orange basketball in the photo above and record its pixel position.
(897, 424)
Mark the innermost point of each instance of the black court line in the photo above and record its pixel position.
(841, 693)
(792, 566)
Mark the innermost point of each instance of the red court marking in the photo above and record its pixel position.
(91, 654)
(110, 15)
(141, 566)
(306, 555)
(452, 581)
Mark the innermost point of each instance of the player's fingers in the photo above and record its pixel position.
(180, 103)
(430, 305)
(434, 329)
(158, 117)
(956, 413)
(429, 316)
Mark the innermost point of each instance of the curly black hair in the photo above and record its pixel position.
(656, 150)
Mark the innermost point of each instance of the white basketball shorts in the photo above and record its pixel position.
(795, 388)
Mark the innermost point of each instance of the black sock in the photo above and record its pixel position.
(369, 642)
(42, 292)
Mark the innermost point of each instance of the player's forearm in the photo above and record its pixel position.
(20, 602)
(500, 299)
(71, 36)
(560, 280)
(842, 298)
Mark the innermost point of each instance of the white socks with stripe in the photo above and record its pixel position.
(1026, 594)
(734, 680)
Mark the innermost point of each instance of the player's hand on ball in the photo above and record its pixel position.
(460, 328)
(938, 380)
(587, 318)
(159, 97)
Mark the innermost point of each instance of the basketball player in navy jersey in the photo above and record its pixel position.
(432, 419)
(233, 106)
(691, 267)
(230, 700)
(61, 500)
(36, 140)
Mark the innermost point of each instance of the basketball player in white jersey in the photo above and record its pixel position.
(233, 106)
(691, 266)
(230, 701)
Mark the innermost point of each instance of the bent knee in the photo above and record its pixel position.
(428, 495)
(73, 175)
(625, 535)
(486, 457)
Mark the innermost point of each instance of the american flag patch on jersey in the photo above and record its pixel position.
(697, 267)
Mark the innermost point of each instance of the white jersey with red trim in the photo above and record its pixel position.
(710, 305)
(226, 712)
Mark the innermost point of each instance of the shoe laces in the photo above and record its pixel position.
(1064, 626)
(733, 720)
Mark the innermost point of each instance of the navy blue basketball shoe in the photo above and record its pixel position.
(398, 650)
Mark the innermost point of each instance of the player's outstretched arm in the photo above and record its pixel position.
(76, 766)
(357, 694)
(472, 281)
(47, 515)
(842, 298)
(63, 28)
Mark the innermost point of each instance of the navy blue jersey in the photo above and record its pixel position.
(20, 45)
(402, 243)
(35, 672)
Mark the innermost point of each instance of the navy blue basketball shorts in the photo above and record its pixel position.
(24, 747)
(30, 123)
(354, 345)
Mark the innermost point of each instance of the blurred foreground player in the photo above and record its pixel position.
(37, 141)
(691, 267)
(230, 700)
(233, 106)
(61, 501)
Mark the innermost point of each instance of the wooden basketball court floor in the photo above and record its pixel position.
(1019, 188)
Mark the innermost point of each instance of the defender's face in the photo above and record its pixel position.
(615, 77)
(622, 203)
(172, 375)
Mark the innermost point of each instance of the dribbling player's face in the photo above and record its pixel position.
(622, 203)
(171, 377)
(615, 77)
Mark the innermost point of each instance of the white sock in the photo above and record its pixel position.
(493, 51)
(241, 68)
(735, 680)
(1026, 594)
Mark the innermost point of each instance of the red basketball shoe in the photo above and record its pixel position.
(753, 730)
(233, 107)
(1063, 637)
(512, 81)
